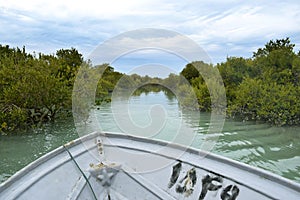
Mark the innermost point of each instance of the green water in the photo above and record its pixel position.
(276, 149)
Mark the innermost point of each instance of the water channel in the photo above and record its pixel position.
(276, 149)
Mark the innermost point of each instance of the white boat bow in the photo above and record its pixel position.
(119, 166)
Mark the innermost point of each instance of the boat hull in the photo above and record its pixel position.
(119, 166)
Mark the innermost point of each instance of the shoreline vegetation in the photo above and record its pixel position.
(38, 88)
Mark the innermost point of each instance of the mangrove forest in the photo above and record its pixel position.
(37, 88)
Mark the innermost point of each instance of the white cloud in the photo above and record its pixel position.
(220, 27)
(76, 9)
(149, 43)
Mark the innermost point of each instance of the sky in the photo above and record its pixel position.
(221, 28)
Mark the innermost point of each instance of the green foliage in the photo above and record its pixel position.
(265, 87)
(171, 81)
(233, 71)
(268, 101)
(34, 89)
(280, 44)
(246, 102)
(207, 86)
(190, 72)
(202, 94)
(12, 117)
(187, 97)
(146, 89)
(296, 71)
(69, 62)
(108, 80)
(280, 104)
(82, 92)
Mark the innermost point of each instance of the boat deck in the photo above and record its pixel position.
(119, 166)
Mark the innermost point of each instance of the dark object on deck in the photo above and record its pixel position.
(118, 166)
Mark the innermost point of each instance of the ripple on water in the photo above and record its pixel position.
(260, 150)
(275, 149)
(272, 148)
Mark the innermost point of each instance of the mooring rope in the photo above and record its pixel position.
(87, 180)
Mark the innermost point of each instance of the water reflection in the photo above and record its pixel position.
(272, 148)
(17, 151)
